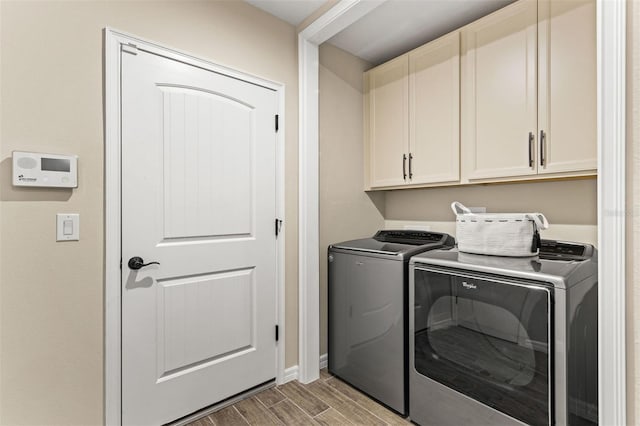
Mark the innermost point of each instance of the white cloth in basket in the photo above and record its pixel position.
(498, 234)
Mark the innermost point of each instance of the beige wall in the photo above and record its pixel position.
(633, 215)
(51, 294)
(562, 202)
(346, 211)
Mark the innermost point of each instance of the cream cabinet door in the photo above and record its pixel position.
(388, 123)
(434, 111)
(567, 86)
(499, 122)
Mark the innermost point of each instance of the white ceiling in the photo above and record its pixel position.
(397, 26)
(394, 27)
(292, 11)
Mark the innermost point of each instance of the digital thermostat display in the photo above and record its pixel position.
(55, 165)
(45, 170)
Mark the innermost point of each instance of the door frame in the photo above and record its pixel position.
(113, 40)
(340, 16)
(611, 91)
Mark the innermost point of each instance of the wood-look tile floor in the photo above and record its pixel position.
(327, 401)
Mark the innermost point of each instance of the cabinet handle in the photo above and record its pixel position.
(410, 171)
(542, 147)
(530, 149)
(404, 166)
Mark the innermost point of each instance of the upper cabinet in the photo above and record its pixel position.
(499, 106)
(412, 117)
(388, 117)
(567, 132)
(529, 92)
(511, 96)
(434, 111)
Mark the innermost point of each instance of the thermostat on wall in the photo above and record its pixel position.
(52, 170)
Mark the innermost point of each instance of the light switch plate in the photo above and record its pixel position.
(67, 227)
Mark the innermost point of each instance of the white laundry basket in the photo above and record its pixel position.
(498, 234)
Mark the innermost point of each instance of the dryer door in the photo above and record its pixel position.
(485, 338)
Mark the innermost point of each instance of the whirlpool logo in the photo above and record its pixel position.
(470, 286)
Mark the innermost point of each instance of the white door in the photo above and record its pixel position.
(198, 196)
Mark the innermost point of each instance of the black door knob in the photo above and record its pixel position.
(136, 263)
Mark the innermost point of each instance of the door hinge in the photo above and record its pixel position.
(278, 226)
(130, 48)
(277, 124)
(277, 335)
(120, 263)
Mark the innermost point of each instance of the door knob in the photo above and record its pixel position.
(136, 263)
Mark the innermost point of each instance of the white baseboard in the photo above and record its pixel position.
(291, 373)
(323, 361)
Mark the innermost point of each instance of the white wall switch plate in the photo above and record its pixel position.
(67, 227)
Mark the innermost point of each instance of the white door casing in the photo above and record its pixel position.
(230, 300)
(340, 16)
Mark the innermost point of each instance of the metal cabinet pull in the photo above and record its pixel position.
(410, 170)
(530, 149)
(404, 166)
(542, 147)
